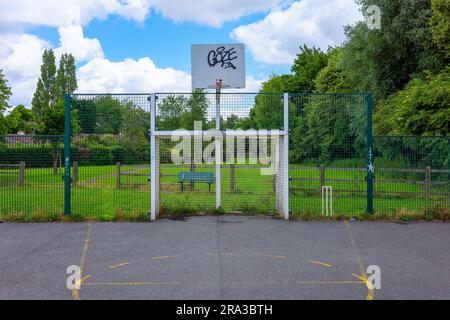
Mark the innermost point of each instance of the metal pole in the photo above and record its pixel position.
(153, 164)
(67, 133)
(285, 156)
(218, 142)
(370, 166)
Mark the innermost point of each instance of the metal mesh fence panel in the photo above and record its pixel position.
(237, 111)
(110, 159)
(190, 185)
(327, 148)
(31, 185)
(412, 174)
(110, 155)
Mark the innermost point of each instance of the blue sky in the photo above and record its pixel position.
(166, 41)
(144, 45)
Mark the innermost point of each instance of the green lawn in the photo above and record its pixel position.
(96, 194)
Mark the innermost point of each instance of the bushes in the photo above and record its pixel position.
(44, 155)
(34, 156)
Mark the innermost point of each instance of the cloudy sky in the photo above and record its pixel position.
(144, 45)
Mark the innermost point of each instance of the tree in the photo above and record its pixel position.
(440, 25)
(66, 79)
(170, 112)
(197, 108)
(5, 93)
(180, 112)
(305, 69)
(331, 78)
(422, 108)
(268, 110)
(20, 119)
(45, 95)
(109, 115)
(384, 61)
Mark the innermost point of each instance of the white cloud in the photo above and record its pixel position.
(56, 13)
(276, 39)
(102, 75)
(73, 41)
(20, 58)
(210, 12)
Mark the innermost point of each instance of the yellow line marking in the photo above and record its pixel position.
(363, 277)
(119, 265)
(128, 283)
(75, 293)
(330, 282)
(85, 278)
(321, 263)
(164, 257)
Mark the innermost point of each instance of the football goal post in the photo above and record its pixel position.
(220, 163)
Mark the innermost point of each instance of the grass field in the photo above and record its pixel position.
(97, 194)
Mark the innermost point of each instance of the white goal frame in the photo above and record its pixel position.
(282, 176)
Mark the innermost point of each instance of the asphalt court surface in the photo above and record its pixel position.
(225, 257)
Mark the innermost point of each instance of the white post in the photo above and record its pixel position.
(153, 159)
(285, 156)
(327, 201)
(218, 142)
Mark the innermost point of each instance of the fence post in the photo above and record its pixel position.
(67, 134)
(370, 166)
(192, 170)
(55, 164)
(274, 184)
(75, 173)
(427, 184)
(322, 176)
(118, 175)
(21, 173)
(232, 168)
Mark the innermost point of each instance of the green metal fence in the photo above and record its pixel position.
(100, 169)
(412, 174)
(31, 184)
(331, 146)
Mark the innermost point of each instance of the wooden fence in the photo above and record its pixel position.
(21, 171)
(427, 183)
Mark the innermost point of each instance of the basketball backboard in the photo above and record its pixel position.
(214, 62)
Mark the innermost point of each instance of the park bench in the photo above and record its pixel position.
(192, 177)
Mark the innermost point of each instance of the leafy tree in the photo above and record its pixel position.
(422, 108)
(52, 120)
(86, 114)
(384, 61)
(109, 115)
(268, 110)
(331, 78)
(440, 25)
(197, 108)
(45, 94)
(170, 112)
(20, 119)
(66, 80)
(305, 69)
(5, 92)
(180, 112)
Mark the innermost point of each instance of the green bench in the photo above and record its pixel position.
(192, 177)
